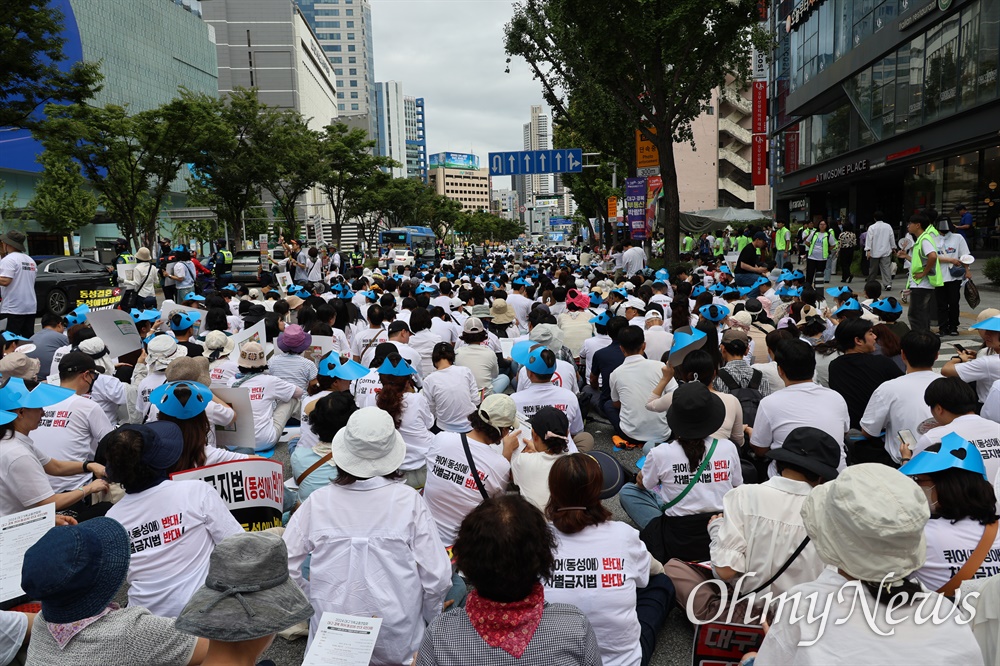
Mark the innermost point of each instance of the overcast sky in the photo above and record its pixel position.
(450, 52)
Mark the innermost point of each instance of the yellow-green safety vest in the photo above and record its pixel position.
(827, 237)
(780, 242)
(917, 261)
(688, 244)
(741, 242)
(227, 257)
(126, 259)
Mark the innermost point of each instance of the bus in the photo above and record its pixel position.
(414, 238)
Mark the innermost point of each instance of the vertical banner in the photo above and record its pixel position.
(792, 149)
(612, 208)
(635, 206)
(759, 107)
(647, 157)
(758, 159)
(654, 190)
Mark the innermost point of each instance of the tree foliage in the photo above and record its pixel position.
(292, 166)
(62, 204)
(479, 227)
(674, 54)
(30, 53)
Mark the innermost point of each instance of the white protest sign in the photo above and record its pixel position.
(253, 489)
(117, 330)
(320, 347)
(124, 272)
(284, 280)
(19, 532)
(255, 333)
(241, 431)
(343, 640)
(507, 345)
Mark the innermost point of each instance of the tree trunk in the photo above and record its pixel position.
(670, 204)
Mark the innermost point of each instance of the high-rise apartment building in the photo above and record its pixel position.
(416, 138)
(536, 137)
(345, 33)
(390, 125)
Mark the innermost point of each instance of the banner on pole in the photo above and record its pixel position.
(635, 206)
(654, 190)
(760, 107)
(758, 159)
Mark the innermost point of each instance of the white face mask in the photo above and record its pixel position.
(928, 493)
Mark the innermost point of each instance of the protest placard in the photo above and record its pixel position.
(284, 280)
(19, 532)
(116, 329)
(343, 640)
(253, 489)
(241, 431)
(125, 272)
(724, 644)
(320, 347)
(255, 333)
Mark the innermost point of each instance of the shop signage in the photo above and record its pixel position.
(759, 64)
(799, 204)
(800, 13)
(758, 159)
(917, 15)
(902, 153)
(843, 170)
(759, 107)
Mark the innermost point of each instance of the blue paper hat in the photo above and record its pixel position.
(714, 313)
(620, 291)
(164, 398)
(798, 275)
(346, 295)
(330, 366)
(725, 269)
(661, 275)
(698, 291)
(684, 341)
(790, 292)
(519, 282)
(596, 299)
(337, 288)
(230, 287)
(194, 297)
(850, 305)
(78, 315)
(762, 282)
(887, 306)
(955, 453)
(144, 315)
(717, 288)
(187, 319)
(786, 276)
(180, 248)
(15, 395)
(601, 319)
(11, 337)
(837, 292)
(991, 324)
(491, 286)
(401, 369)
(371, 295)
(742, 291)
(424, 289)
(529, 354)
(6, 417)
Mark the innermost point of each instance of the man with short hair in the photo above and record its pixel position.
(633, 258)
(632, 383)
(605, 361)
(925, 271)
(879, 244)
(47, 341)
(898, 404)
(952, 403)
(801, 403)
(17, 285)
(374, 335)
(658, 340)
(748, 265)
(860, 371)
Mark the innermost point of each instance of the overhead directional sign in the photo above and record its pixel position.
(530, 162)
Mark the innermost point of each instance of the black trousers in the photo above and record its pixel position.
(846, 258)
(21, 324)
(812, 266)
(948, 300)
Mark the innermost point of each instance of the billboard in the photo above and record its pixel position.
(635, 206)
(454, 161)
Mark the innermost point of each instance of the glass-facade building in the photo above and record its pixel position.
(888, 105)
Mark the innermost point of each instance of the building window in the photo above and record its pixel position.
(353, 71)
(354, 83)
(349, 12)
(336, 59)
(350, 35)
(338, 71)
(340, 83)
(335, 48)
(350, 24)
(351, 47)
(354, 95)
(352, 60)
(354, 107)
(340, 95)
(340, 107)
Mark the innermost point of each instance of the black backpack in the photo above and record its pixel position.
(749, 395)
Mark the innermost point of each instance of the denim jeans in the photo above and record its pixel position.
(780, 257)
(745, 279)
(640, 504)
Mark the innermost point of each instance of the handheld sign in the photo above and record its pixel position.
(19, 532)
(253, 489)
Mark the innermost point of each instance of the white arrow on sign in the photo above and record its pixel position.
(570, 162)
(511, 160)
(527, 163)
(541, 159)
(558, 157)
(497, 164)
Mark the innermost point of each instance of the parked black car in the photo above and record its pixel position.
(62, 283)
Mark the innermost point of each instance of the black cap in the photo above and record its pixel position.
(76, 362)
(811, 449)
(398, 325)
(550, 420)
(760, 235)
(753, 305)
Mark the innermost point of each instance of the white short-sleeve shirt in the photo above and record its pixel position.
(19, 295)
(898, 404)
(667, 472)
(71, 430)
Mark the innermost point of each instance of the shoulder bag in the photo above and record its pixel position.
(472, 467)
(131, 296)
(312, 468)
(972, 564)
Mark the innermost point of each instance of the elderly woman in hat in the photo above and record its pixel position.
(868, 526)
(76, 571)
(143, 279)
(221, 367)
(161, 351)
(172, 525)
(373, 544)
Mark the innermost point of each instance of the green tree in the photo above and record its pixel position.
(676, 52)
(200, 231)
(479, 227)
(349, 169)
(292, 168)
(131, 160)
(30, 53)
(7, 202)
(62, 204)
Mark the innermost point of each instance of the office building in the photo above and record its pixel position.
(147, 50)
(390, 125)
(535, 137)
(505, 204)
(268, 45)
(458, 177)
(344, 31)
(416, 138)
(886, 105)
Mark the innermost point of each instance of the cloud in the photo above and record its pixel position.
(450, 52)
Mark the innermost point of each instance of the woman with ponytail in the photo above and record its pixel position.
(530, 465)
(631, 597)
(411, 414)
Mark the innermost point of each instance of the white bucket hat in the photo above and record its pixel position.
(96, 349)
(369, 445)
(869, 522)
(161, 350)
(549, 335)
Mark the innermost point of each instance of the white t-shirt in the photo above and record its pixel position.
(423, 344)
(535, 396)
(482, 361)
(23, 481)
(307, 438)
(366, 389)
(448, 331)
(265, 392)
(146, 386)
(984, 370)
(451, 492)
(71, 430)
(950, 246)
(667, 473)
(452, 395)
(591, 347)
(521, 306)
(367, 339)
(222, 371)
(531, 475)
(949, 546)
(173, 528)
(898, 404)
(19, 295)
(658, 343)
(564, 376)
(631, 384)
(598, 570)
(415, 427)
(983, 433)
(798, 405)
(991, 406)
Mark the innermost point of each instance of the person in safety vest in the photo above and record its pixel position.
(819, 244)
(222, 262)
(925, 271)
(122, 255)
(782, 244)
(357, 261)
